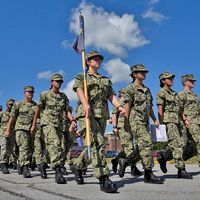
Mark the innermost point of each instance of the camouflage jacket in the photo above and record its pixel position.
(4, 118)
(23, 112)
(190, 106)
(141, 100)
(52, 107)
(171, 104)
(99, 90)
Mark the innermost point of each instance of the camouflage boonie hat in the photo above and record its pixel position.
(92, 54)
(138, 68)
(57, 77)
(10, 101)
(29, 88)
(165, 75)
(186, 77)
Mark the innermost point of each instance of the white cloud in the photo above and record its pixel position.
(68, 90)
(153, 1)
(118, 70)
(154, 16)
(65, 44)
(47, 74)
(108, 31)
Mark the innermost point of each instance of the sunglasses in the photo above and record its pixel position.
(58, 81)
(30, 92)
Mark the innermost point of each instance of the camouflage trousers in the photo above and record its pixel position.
(130, 148)
(98, 145)
(7, 147)
(194, 132)
(68, 142)
(53, 138)
(141, 134)
(40, 151)
(189, 147)
(175, 145)
(23, 142)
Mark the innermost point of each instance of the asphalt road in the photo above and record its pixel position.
(14, 187)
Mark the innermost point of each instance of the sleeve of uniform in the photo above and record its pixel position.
(128, 94)
(15, 110)
(42, 101)
(79, 82)
(160, 100)
(182, 99)
(111, 90)
(151, 96)
(68, 108)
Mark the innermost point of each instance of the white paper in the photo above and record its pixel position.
(158, 134)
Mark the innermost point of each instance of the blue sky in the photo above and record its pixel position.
(36, 38)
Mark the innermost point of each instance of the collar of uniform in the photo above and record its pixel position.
(188, 91)
(142, 87)
(97, 75)
(169, 90)
(54, 92)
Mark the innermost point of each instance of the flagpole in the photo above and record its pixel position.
(87, 119)
(79, 47)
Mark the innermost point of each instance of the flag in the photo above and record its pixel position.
(79, 43)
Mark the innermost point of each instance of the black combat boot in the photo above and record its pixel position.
(161, 160)
(135, 171)
(64, 170)
(183, 174)
(33, 164)
(4, 168)
(26, 172)
(106, 185)
(42, 169)
(77, 174)
(122, 167)
(19, 169)
(59, 179)
(149, 177)
(14, 165)
(114, 165)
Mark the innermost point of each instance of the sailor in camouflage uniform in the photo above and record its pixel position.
(99, 92)
(190, 108)
(40, 151)
(5, 143)
(139, 109)
(52, 104)
(68, 141)
(23, 112)
(169, 113)
(130, 155)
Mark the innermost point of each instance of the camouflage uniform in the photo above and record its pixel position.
(52, 106)
(171, 106)
(130, 148)
(99, 90)
(23, 112)
(40, 152)
(189, 105)
(68, 140)
(141, 99)
(6, 143)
